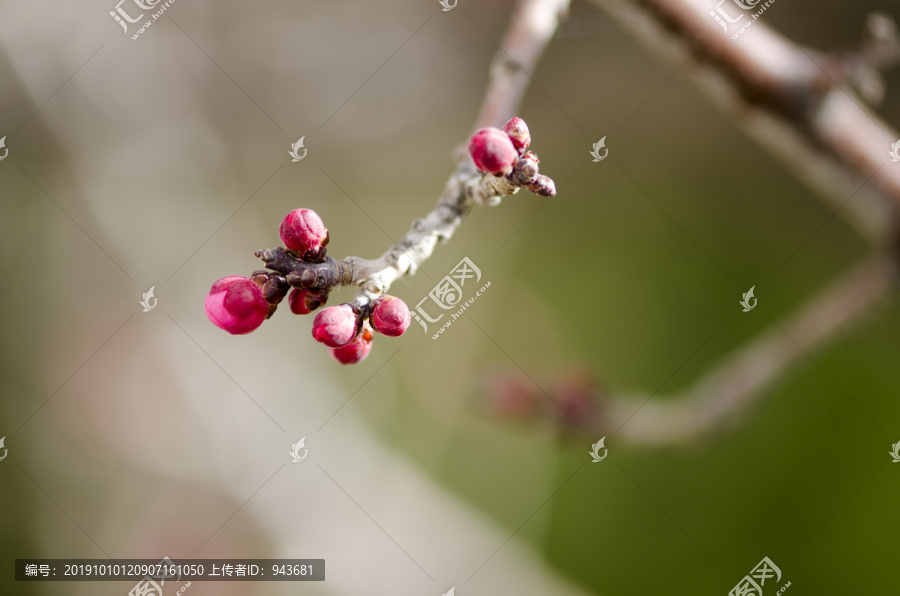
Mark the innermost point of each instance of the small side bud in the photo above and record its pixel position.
(518, 133)
(275, 289)
(526, 170)
(543, 186)
(303, 302)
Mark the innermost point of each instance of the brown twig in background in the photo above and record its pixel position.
(792, 100)
(720, 397)
(530, 29)
(797, 104)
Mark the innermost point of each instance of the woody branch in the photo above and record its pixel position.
(798, 103)
(722, 396)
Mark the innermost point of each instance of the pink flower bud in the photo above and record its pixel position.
(236, 304)
(518, 133)
(356, 351)
(302, 230)
(335, 326)
(303, 302)
(493, 151)
(390, 316)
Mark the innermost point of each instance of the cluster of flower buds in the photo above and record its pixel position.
(504, 154)
(239, 305)
(301, 272)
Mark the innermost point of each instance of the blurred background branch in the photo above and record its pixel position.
(531, 26)
(794, 101)
(719, 398)
(798, 104)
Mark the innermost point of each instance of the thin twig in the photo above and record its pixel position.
(531, 28)
(724, 395)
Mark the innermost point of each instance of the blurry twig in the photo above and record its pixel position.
(798, 104)
(530, 29)
(724, 394)
(792, 100)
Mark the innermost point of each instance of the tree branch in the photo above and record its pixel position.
(720, 397)
(796, 103)
(793, 101)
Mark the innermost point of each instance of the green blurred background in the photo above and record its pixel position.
(162, 162)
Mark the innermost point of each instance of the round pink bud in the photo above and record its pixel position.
(518, 133)
(356, 351)
(303, 230)
(390, 316)
(493, 151)
(335, 326)
(236, 304)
